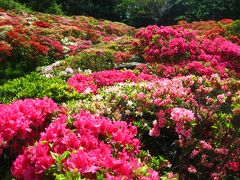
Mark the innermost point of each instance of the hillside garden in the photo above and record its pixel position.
(82, 98)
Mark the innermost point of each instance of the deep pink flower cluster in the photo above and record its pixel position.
(221, 51)
(90, 83)
(180, 47)
(110, 77)
(166, 44)
(234, 166)
(82, 83)
(94, 143)
(23, 120)
(186, 68)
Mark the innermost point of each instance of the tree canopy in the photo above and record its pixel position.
(141, 12)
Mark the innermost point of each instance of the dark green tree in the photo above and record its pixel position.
(142, 12)
(45, 6)
(194, 10)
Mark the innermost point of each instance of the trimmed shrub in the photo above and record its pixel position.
(35, 85)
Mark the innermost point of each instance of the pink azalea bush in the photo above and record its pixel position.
(82, 83)
(89, 146)
(90, 83)
(181, 48)
(22, 121)
(108, 78)
(193, 67)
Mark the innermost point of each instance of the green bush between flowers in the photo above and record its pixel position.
(233, 28)
(35, 85)
(96, 61)
(12, 5)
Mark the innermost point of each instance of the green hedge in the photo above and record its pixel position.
(35, 85)
(12, 5)
(233, 28)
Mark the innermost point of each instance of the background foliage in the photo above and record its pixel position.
(141, 12)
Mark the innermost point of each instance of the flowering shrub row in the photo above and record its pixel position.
(21, 123)
(195, 67)
(90, 83)
(92, 147)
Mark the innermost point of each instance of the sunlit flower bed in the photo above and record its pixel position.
(175, 115)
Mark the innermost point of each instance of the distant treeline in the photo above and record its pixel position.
(141, 12)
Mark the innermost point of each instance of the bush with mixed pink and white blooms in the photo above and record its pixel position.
(191, 117)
